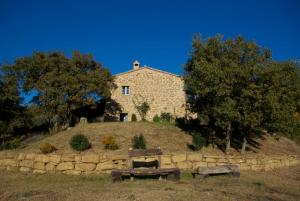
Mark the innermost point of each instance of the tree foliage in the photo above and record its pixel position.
(63, 84)
(238, 88)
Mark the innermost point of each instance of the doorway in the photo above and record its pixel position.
(124, 117)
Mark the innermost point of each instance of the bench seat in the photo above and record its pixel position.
(119, 174)
(202, 172)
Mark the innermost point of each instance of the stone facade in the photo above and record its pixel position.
(76, 164)
(162, 90)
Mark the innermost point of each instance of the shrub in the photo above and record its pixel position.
(198, 141)
(166, 117)
(80, 142)
(139, 142)
(11, 144)
(133, 117)
(110, 142)
(156, 118)
(47, 148)
(143, 109)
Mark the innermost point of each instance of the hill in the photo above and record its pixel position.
(170, 138)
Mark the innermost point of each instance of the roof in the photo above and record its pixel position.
(150, 68)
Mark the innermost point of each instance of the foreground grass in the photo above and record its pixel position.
(278, 185)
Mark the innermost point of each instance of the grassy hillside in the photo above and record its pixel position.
(170, 138)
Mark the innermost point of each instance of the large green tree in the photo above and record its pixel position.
(61, 84)
(224, 84)
(12, 114)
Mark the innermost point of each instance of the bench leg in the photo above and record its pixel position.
(116, 176)
(131, 177)
(235, 174)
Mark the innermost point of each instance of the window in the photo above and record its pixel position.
(125, 90)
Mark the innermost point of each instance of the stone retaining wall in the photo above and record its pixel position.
(76, 164)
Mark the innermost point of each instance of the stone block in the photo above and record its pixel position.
(72, 172)
(104, 166)
(179, 158)
(9, 162)
(68, 158)
(26, 163)
(54, 158)
(39, 171)
(199, 164)
(211, 160)
(11, 168)
(39, 165)
(119, 157)
(77, 158)
(257, 167)
(85, 166)
(245, 166)
(42, 158)
(170, 165)
(194, 157)
(184, 165)
(165, 159)
(211, 164)
(30, 156)
(25, 169)
(21, 156)
(50, 167)
(65, 166)
(10, 155)
(90, 158)
(222, 160)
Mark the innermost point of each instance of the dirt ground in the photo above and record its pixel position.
(276, 185)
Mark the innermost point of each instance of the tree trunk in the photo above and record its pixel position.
(244, 145)
(227, 142)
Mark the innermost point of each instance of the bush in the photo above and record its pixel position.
(166, 117)
(133, 117)
(139, 142)
(11, 144)
(80, 142)
(47, 148)
(156, 118)
(110, 142)
(198, 141)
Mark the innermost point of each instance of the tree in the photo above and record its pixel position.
(12, 115)
(281, 81)
(223, 83)
(62, 85)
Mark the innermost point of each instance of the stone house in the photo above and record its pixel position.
(163, 91)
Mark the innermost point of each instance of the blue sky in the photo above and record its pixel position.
(157, 33)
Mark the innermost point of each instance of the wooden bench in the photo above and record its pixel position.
(145, 168)
(202, 172)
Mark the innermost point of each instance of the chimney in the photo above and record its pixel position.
(136, 65)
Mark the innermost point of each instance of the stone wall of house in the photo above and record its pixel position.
(76, 164)
(163, 91)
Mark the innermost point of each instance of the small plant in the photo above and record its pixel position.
(166, 117)
(47, 148)
(198, 141)
(143, 109)
(80, 142)
(110, 142)
(156, 118)
(139, 142)
(133, 117)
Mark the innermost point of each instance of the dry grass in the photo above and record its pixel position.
(277, 185)
(170, 138)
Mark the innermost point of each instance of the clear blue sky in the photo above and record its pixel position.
(157, 33)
